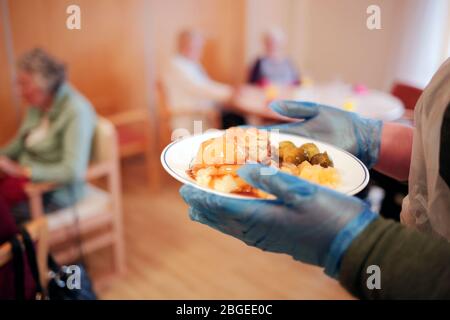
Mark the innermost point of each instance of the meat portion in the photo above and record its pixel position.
(217, 161)
(237, 146)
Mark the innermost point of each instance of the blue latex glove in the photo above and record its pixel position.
(313, 224)
(347, 130)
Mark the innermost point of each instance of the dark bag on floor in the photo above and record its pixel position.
(24, 283)
(69, 282)
(66, 282)
(16, 279)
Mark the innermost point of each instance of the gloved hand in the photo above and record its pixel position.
(347, 130)
(311, 223)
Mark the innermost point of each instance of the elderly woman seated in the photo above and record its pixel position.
(274, 68)
(54, 140)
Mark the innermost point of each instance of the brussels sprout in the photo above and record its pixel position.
(310, 149)
(322, 159)
(284, 147)
(294, 156)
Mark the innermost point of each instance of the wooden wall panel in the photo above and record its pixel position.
(106, 58)
(122, 45)
(8, 114)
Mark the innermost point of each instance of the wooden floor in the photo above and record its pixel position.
(171, 257)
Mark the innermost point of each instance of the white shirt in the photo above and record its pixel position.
(427, 206)
(38, 133)
(189, 87)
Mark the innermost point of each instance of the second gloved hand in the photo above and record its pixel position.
(311, 223)
(347, 130)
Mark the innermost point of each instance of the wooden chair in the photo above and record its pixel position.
(97, 218)
(167, 114)
(39, 233)
(134, 135)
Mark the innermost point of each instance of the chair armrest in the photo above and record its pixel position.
(99, 170)
(94, 171)
(38, 188)
(35, 192)
(129, 117)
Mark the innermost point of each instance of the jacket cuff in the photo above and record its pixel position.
(343, 240)
(37, 174)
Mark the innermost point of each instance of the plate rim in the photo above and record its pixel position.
(181, 179)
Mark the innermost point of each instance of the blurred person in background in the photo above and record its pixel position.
(274, 68)
(189, 87)
(53, 142)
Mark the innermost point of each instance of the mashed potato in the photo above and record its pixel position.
(328, 177)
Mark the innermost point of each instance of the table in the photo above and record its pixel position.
(368, 103)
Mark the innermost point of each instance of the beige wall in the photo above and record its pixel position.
(261, 15)
(335, 43)
(422, 30)
(330, 41)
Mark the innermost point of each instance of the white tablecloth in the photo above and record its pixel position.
(369, 103)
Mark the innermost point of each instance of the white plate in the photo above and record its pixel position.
(177, 156)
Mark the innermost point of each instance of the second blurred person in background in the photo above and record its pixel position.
(189, 87)
(274, 67)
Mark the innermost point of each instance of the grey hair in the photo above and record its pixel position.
(186, 35)
(48, 71)
(275, 33)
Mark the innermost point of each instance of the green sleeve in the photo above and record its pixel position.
(412, 265)
(76, 141)
(14, 147)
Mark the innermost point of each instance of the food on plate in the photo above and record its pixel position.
(288, 152)
(218, 159)
(309, 163)
(322, 159)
